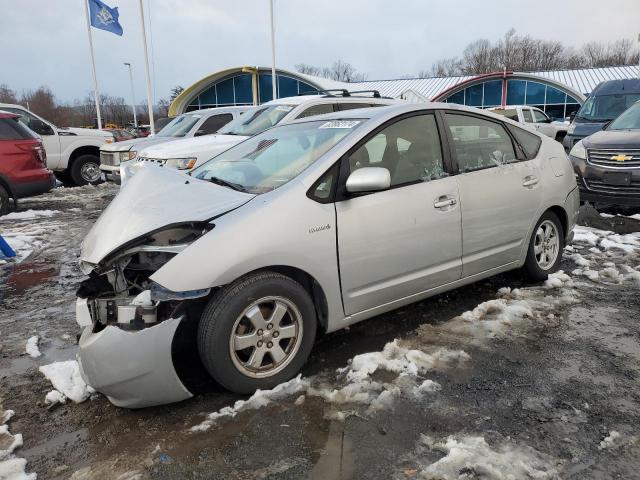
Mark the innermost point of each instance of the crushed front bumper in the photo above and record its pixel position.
(133, 369)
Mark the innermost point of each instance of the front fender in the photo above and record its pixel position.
(287, 229)
(68, 144)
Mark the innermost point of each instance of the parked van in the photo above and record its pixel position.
(606, 102)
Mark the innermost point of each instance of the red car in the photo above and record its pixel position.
(23, 162)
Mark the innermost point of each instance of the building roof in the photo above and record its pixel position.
(582, 80)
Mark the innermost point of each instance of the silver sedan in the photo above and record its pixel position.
(232, 271)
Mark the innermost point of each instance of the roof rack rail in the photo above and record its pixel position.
(376, 93)
(343, 91)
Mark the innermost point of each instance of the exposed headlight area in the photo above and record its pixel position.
(119, 292)
(181, 163)
(126, 156)
(579, 151)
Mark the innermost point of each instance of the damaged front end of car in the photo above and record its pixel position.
(138, 340)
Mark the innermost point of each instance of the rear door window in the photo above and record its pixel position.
(316, 110)
(479, 143)
(215, 122)
(11, 129)
(526, 113)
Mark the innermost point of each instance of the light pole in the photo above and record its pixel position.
(133, 96)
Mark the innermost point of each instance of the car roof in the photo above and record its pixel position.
(300, 99)
(230, 108)
(627, 85)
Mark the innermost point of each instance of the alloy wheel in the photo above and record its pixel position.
(90, 172)
(546, 245)
(266, 337)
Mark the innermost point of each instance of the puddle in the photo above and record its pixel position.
(16, 279)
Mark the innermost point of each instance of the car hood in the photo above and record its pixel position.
(155, 198)
(138, 143)
(586, 129)
(613, 139)
(193, 147)
(87, 132)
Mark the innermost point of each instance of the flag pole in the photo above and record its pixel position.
(146, 70)
(96, 95)
(274, 79)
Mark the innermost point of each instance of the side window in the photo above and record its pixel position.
(215, 122)
(479, 143)
(540, 117)
(25, 117)
(322, 189)
(351, 106)
(317, 110)
(410, 149)
(529, 142)
(526, 113)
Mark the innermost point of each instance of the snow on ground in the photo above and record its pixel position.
(468, 457)
(11, 467)
(606, 257)
(67, 382)
(32, 347)
(29, 215)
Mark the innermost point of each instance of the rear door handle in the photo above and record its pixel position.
(444, 202)
(530, 181)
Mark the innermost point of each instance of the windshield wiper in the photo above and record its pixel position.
(225, 183)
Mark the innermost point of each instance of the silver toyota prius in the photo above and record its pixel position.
(229, 273)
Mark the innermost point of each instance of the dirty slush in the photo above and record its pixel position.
(494, 379)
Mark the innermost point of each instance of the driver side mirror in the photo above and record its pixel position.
(572, 115)
(199, 133)
(40, 127)
(368, 179)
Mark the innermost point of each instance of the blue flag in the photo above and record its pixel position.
(104, 17)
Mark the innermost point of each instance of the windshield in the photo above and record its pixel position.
(628, 120)
(272, 158)
(256, 120)
(179, 126)
(603, 108)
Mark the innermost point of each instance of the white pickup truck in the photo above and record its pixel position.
(534, 118)
(72, 153)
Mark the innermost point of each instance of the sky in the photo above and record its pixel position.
(44, 42)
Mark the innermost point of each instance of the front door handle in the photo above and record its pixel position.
(530, 181)
(444, 202)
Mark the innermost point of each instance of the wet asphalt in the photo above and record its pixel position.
(558, 387)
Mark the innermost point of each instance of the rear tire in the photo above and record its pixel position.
(257, 332)
(86, 170)
(545, 248)
(4, 201)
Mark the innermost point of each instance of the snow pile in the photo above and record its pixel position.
(11, 467)
(361, 387)
(65, 378)
(22, 243)
(30, 214)
(558, 279)
(259, 399)
(610, 441)
(32, 347)
(468, 457)
(616, 253)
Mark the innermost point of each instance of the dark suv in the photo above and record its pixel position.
(607, 164)
(606, 102)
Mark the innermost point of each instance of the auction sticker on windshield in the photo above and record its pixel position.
(340, 124)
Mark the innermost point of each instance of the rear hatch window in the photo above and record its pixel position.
(12, 129)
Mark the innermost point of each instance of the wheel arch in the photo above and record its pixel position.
(561, 213)
(84, 150)
(7, 186)
(310, 284)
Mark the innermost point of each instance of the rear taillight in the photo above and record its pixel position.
(41, 154)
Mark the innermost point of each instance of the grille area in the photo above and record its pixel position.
(603, 158)
(111, 159)
(601, 187)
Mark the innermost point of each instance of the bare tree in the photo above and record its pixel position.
(339, 71)
(7, 95)
(598, 54)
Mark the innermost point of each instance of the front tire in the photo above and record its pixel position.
(257, 332)
(86, 170)
(545, 248)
